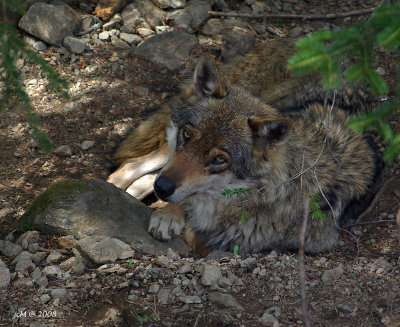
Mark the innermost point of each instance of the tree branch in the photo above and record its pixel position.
(291, 16)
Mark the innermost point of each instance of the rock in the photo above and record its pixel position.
(225, 300)
(213, 26)
(105, 9)
(58, 293)
(237, 41)
(164, 295)
(192, 17)
(145, 32)
(224, 282)
(171, 255)
(101, 249)
(74, 45)
(67, 241)
(38, 257)
(52, 271)
(184, 269)
(40, 46)
(29, 237)
(54, 257)
(25, 282)
(42, 281)
(211, 275)
(190, 299)
(79, 265)
(131, 39)
(10, 249)
(113, 23)
(4, 275)
(63, 151)
(44, 298)
(86, 145)
(162, 261)
(333, 274)
(33, 247)
(50, 23)
(168, 49)
(104, 36)
(36, 274)
(6, 211)
(82, 208)
(89, 24)
(381, 71)
(163, 4)
(217, 255)
(23, 262)
(154, 288)
(119, 44)
(269, 320)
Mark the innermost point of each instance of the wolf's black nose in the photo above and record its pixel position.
(163, 187)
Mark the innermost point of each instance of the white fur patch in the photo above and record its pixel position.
(172, 132)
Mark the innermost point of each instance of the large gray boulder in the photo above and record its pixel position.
(168, 49)
(94, 207)
(50, 23)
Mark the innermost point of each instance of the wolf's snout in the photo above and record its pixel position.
(163, 187)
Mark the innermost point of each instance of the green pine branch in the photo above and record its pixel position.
(324, 51)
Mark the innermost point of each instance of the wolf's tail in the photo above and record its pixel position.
(147, 137)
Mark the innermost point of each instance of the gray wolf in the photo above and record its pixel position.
(252, 126)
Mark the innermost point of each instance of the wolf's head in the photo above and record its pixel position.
(220, 137)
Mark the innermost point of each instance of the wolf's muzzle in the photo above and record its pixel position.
(163, 188)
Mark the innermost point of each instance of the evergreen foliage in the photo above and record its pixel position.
(325, 50)
(13, 47)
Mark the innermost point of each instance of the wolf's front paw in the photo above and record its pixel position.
(167, 222)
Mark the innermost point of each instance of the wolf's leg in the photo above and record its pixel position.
(143, 186)
(167, 222)
(134, 168)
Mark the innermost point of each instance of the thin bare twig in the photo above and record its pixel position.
(398, 226)
(302, 265)
(292, 16)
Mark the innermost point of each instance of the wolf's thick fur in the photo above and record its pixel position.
(254, 126)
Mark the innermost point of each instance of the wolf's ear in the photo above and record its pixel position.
(270, 132)
(207, 81)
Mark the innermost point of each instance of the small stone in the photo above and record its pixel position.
(129, 38)
(184, 269)
(247, 262)
(36, 274)
(164, 295)
(23, 262)
(154, 288)
(224, 282)
(29, 236)
(58, 293)
(86, 145)
(225, 300)
(40, 46)
(33, 247)
(162, 261)
(133, 298)
(10, 249)
(171, 255)
(190, 299)
(42, 281)
(4, 275)
(63, 151)
(119, 44)
(67, 241)
(6, 211)
(26, 282)
(74, 45)
(145, 31)
(333, 274)
(54, 257)
(104, 36)
(211, 275)
(39, 256)
(268, 319)
(381, 71)
(44, 298)
(52, 271)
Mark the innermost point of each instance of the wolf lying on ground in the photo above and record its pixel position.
(252, 128)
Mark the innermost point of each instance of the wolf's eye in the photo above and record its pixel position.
(186, 135)
(219, 160)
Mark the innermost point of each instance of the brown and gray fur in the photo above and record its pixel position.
(253, 125)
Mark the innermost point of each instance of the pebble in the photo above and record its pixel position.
(333, 274)
(54, 257)
(4, 275)
(10, 249)
(211, 275)
(63, 151)
(86, 145)
(225, 300)
(154, 288)
(162, 261)
(190, 299)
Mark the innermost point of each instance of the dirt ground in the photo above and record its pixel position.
(108, 98)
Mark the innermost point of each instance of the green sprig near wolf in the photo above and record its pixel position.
(251, 124)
